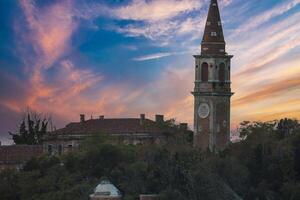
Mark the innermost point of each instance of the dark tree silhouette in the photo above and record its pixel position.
(31, 129)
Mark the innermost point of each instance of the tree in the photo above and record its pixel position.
(287, 126)
(31, 129)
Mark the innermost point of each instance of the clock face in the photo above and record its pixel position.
(203, 110)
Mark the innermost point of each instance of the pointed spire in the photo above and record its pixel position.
(213, 42)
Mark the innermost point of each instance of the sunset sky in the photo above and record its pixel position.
(120, 58)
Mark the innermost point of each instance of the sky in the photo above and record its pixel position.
(120, 58)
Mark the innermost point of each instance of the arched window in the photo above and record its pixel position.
(222, 72)
(204, 72)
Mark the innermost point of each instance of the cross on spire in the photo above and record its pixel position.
(213, 42)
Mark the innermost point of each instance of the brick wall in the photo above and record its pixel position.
(222, 134)
(203, 136)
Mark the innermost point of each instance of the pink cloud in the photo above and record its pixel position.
(50, 29)
(50, 32)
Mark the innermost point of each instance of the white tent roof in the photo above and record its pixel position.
(107, 189)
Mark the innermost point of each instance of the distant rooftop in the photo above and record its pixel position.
(19, 153)
(113, 126)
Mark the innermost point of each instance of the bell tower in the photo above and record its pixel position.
(212, 90)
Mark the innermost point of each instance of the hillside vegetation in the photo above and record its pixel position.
(265, 165)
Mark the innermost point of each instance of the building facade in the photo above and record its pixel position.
(134, 131)
(212, 91)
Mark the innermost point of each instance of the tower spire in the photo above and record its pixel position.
(213, 42)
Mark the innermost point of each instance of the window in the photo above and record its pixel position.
(50, 149)
(219, 23)
(60, 149)
(214, 34)
(222, 72)
(204, 72)
(208, 23)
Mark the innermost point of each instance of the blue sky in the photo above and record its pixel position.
(121, 58)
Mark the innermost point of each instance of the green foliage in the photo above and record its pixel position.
(265, 165)
(31, 129)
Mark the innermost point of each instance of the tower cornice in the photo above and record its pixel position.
(212, 56)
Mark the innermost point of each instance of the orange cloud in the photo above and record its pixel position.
(268, 91)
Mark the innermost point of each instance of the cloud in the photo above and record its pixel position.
(157, 20)
(156, 9)
(153, 56)
(50, 29)
(166, 32)
(269, 91)
(267, 15)
(273, 41)
(261, 62)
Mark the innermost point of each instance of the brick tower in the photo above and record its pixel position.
(212, 90)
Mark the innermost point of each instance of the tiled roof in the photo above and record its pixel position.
(111, 126)
(19, 153)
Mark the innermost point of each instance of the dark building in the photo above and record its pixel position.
(125, 130)
(212, 90)
(14, 156)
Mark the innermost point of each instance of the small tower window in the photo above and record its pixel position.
(204, 72)
(214, 34)
(219, 23)
(222, 72)
(208, 23)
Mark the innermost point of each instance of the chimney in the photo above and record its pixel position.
(101, 117)
(142, 119)
(82, 118)
(159, 118)
(183, 126)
